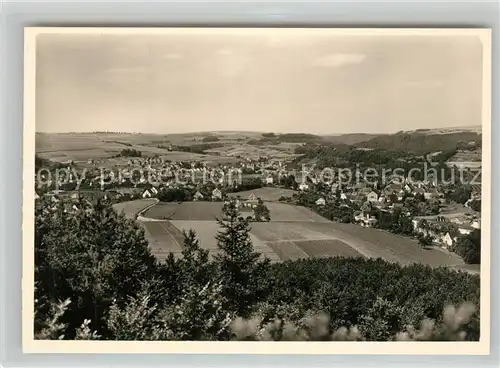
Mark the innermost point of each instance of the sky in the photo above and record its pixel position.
(270, 82)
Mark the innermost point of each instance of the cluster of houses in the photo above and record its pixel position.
(145, 177)
(388, 196)
(217, 195)
(444, 229)
(174, 174)
(76, 202)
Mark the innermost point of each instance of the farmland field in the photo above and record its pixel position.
(349, 240)
(294, 232)
(208, 211)
(194, 211)
(393, 248)
(286, 231)
(281, 151)
(267, 194)
(163, 238)
(287, 250)
(132, 208)
(80, 147)
(206, 231)
(84, 146)
(327, 248)
(282, 212)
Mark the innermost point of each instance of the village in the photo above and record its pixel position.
(428, 206)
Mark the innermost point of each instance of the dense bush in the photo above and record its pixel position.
(261, 212)
(299, 137)
(351, 291)
(475, 205)
(469, 247)
(175, 195)
(247, 183)
(210, 138)
(130, 152)
(196, 148)
(269, 135)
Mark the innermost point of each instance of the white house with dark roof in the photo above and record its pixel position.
(476, 224)
(431, 193)
(303, 186)
(198, 196)
(216, 194)
(446, 240)
(320, 202)
(252, 200)
(465, 229)
(372, 196)
(418, 190)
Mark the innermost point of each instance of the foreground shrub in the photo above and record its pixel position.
(379, 297)
(317, 328)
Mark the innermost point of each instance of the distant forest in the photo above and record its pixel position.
(419, 142)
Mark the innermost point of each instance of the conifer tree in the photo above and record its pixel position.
(261, 212)
(195, 265)
(240, 269)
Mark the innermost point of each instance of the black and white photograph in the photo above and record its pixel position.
(258, 185)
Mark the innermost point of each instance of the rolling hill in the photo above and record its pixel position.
(420, 141)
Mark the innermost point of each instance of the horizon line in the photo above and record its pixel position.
(257, 131)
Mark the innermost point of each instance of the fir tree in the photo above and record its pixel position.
(239, 266)
(194, 264)
(261, 212)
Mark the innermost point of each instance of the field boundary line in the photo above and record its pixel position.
(156, 201)
(140, 216)
(173, 237)
(300, 240)
(301, 250)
